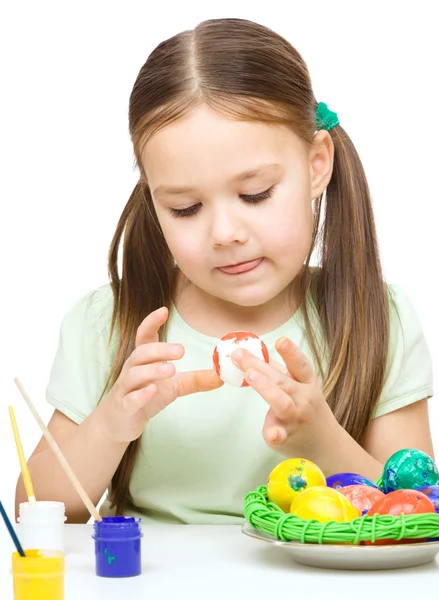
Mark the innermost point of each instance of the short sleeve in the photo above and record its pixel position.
(83, 359)
(409, 373)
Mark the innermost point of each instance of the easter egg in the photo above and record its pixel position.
(409, 469)
(323, 504)
(432, 493)
(361, 496)
(222, 361)
(339, 480)
(407, 502)
(290, 478)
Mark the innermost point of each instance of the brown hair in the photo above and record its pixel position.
(248, 72)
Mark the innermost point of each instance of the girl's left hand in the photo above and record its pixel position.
(299, 421)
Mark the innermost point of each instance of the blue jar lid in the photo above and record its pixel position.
(117, 527)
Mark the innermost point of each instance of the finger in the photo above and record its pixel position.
(296, 362)
(136, 400)
(273, 363)
(275, 436)
(197, 381)
(142, 375)
(280, 377)
(148, 329)
(155, 352)
(281, 403)
(148, 399)
(278, 366)
(246, 360)
(274, 432)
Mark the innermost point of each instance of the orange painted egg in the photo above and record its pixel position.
(408, 502)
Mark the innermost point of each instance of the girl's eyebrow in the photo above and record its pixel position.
(163, 190)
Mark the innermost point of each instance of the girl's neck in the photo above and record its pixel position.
(215, 317)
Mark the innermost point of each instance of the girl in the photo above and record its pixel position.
(242, 176)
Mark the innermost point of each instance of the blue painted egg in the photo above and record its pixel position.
(432, 492)
(339, 480)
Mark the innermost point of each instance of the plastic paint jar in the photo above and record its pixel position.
(42, 525)
(38, 575)
(118, 546)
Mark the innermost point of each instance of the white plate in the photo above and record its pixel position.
(341, 556)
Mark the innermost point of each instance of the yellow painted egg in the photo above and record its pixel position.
(290, 478)
(323, 504)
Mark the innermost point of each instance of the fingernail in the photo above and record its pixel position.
(284, 344)
(251, 376)
(175, 351)
(237, 354)
(274, 435)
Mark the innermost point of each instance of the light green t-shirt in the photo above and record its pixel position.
(204, 452)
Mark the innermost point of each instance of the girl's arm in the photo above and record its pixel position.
(94, 449)
(92, 455)
(407, 427)
(299, 421)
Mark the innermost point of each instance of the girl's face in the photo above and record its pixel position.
(234, 200)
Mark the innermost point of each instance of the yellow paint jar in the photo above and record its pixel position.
(39, 575)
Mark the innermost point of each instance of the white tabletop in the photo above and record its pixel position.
(219, 562)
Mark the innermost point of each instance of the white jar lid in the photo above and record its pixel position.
(42, 512)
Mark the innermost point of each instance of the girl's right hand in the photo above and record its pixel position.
(146, 384)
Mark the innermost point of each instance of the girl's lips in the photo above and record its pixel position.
(243, 267)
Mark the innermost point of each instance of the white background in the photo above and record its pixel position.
(67, 70)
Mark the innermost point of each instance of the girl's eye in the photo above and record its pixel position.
(251, 199)
(185, 212)
(254, 198)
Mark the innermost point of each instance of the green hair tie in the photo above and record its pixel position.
(325, 118)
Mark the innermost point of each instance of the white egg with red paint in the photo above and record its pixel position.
(222, 355)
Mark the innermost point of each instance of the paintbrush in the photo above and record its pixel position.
(11, 531)
(23, 464)
(59, 455)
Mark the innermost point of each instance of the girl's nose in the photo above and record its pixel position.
(227, 228)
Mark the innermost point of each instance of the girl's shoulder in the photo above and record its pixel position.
(97, 302)
(399, 299)
(90, 315)
(409, 373)
(405, 324)
(84, 355)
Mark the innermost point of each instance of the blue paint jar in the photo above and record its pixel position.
(118, 546)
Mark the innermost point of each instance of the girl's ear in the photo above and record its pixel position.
(321, 161)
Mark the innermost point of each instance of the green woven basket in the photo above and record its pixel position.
(269, 518)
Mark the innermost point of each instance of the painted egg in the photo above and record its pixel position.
(323, 504)
(409, 469)
(407, 502)
(290, 478)
(222, 361)
(361, 496)
(432, 493)
(339, 480)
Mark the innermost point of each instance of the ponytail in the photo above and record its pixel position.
(350, 294)
(146, 284)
